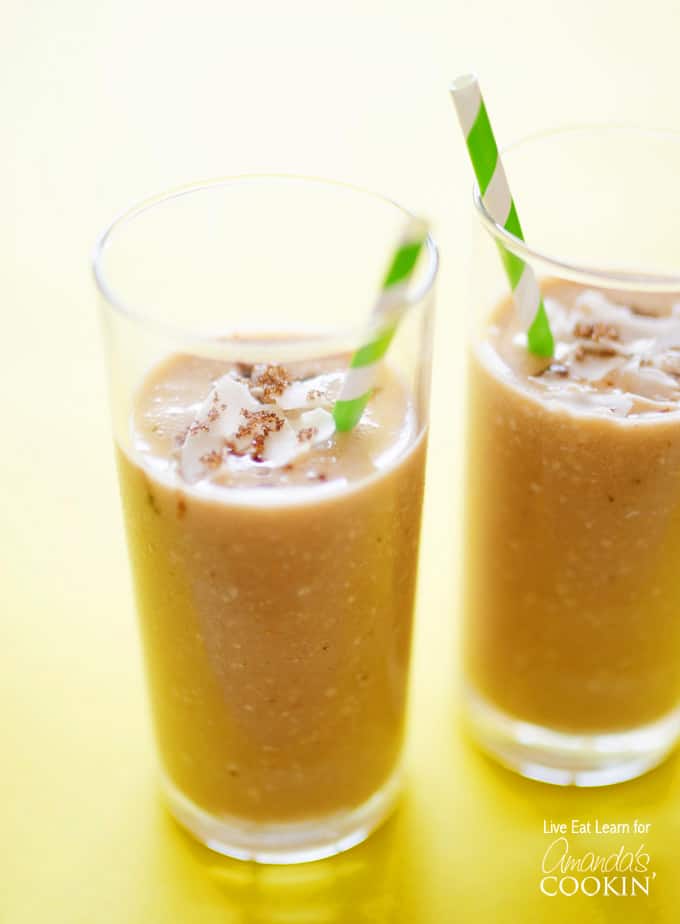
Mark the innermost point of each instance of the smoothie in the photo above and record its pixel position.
(573, 516)
(275, 565)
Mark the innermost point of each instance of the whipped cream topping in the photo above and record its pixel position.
(266, 419)
(610, 357)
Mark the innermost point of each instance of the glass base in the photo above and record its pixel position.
(293, 842)
(570, 760)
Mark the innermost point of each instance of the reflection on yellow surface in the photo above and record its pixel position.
(357, 885)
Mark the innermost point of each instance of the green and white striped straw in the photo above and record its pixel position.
(498, 201)
(385, 318)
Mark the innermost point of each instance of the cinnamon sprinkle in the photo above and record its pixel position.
(596, 332)
(306, 434)
(596, 349)
(233, 450)
(212, 459)
(216, 408)
(270, 381)
(256, 429)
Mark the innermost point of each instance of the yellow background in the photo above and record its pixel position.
(102, 103)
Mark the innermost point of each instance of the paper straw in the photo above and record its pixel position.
(385, 318)
(498, 201)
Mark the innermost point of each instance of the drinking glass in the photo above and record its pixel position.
(275, 620)
(572, 586)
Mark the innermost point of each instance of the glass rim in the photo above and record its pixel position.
(581, 272)
(411, 297)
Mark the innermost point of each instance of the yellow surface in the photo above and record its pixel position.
(102, 103)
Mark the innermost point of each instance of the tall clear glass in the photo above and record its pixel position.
(275, 596)
(572, 599)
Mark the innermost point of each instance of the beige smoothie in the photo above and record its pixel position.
(573, 515)
(275, 565)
